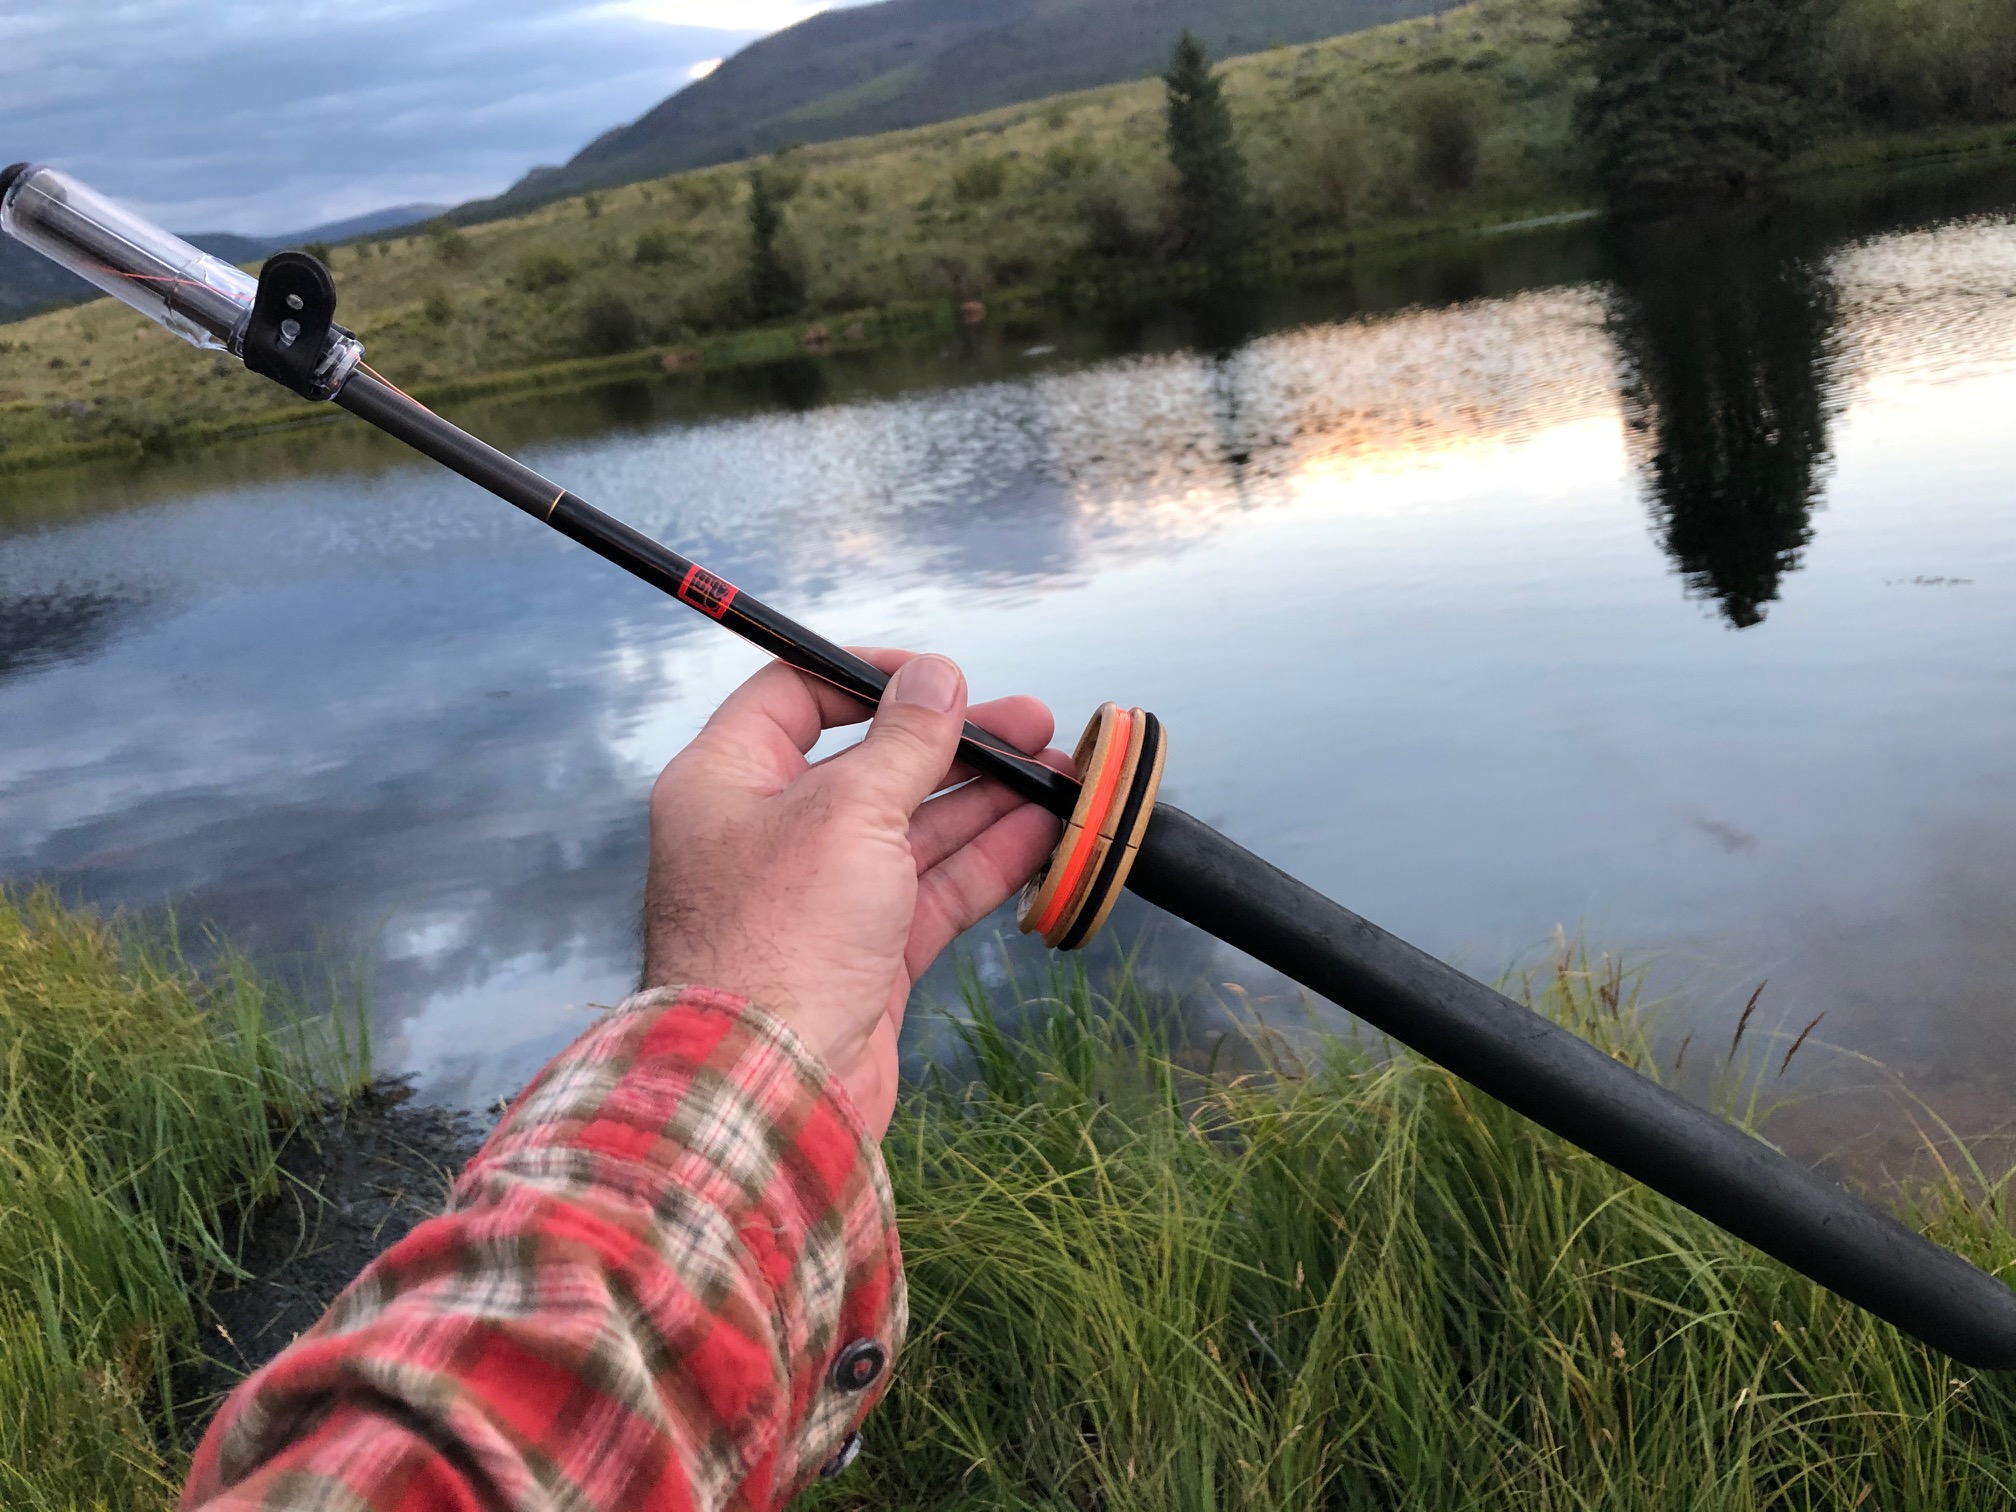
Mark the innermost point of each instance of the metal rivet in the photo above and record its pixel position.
(858, 1366)
(848, 1452)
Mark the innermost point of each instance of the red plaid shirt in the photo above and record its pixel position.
(640, 1298)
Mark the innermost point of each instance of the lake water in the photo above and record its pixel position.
(1663, 591)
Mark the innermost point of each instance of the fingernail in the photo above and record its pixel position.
(929, 682)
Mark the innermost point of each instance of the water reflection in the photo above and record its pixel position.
(351, 700)
(1722, 329)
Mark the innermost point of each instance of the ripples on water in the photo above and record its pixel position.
(1673, 607)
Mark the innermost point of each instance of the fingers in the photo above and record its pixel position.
(976, 879)
(907, 752)
(781, 702)
(958, 818)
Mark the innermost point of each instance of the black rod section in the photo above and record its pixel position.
(1564, 1083)
(1505, 1049)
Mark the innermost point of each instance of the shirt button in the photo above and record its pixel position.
(858, 1366)
(845, 1455)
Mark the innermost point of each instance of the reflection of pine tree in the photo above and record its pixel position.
(1723, 339)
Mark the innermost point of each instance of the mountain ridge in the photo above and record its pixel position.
(864, 69)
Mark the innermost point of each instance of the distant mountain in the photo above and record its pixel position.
(361, 225)
(869, 68)
(30, 283)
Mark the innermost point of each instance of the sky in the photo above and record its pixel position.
(270, 116)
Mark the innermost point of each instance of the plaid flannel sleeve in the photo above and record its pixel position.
(670, 1280)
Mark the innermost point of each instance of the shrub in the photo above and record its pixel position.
(1912, 63)
(450, 245)
(654, 248)
(438, 309)
(1336, 163)
(776, 287)
(610, 325)
(1445, 120)
(539, 271)
(979, 179)
(1069, 160)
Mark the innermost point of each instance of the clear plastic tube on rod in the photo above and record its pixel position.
(201, 298)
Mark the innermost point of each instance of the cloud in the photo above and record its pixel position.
(235, 116)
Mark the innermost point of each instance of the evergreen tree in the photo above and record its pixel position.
(775, 288)
(1211, 179)
(1696, 99)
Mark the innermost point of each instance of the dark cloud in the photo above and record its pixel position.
(266, 118)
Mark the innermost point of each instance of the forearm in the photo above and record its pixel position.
(634, 1300)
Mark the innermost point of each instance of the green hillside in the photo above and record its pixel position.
(1433, 126)
(906, 63)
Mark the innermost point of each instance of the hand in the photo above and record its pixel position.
(822, 892)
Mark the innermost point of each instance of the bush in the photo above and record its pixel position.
(1445, 119)
(1114, 225)
(979, 179)
(450, 245)
(1912, 63)
(1336, 164)
(438, 309)
(1069, 160)
(539, 271)
(610, 325)
(776, 287)
(654, 248)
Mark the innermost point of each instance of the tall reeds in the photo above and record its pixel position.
(140, 1102)
(1349, 1281)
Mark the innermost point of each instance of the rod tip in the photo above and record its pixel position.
(11, 173)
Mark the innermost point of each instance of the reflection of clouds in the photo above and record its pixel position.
(386, 708)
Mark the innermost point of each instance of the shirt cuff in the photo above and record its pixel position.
(715, 1113)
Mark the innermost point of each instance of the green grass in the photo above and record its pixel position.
(1268, 1275)
(1425, 128)
(140, 1103)
(1351, 1282)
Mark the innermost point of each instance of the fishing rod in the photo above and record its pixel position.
(281, 324)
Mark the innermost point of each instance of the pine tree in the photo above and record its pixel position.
(775, 289)
(1696, 99)
(1211, 178)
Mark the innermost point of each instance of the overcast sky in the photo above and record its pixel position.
(268, 116)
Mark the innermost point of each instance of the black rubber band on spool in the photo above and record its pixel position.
(1119, 859)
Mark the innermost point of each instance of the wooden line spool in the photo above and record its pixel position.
(1119, 760)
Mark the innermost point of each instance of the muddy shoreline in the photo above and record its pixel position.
(357, 1181)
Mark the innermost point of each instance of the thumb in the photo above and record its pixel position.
(910, 746)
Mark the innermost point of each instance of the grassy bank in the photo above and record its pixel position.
(1358, 1284)
(1420, 129)
(1139, 1280)
(142, 1104)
